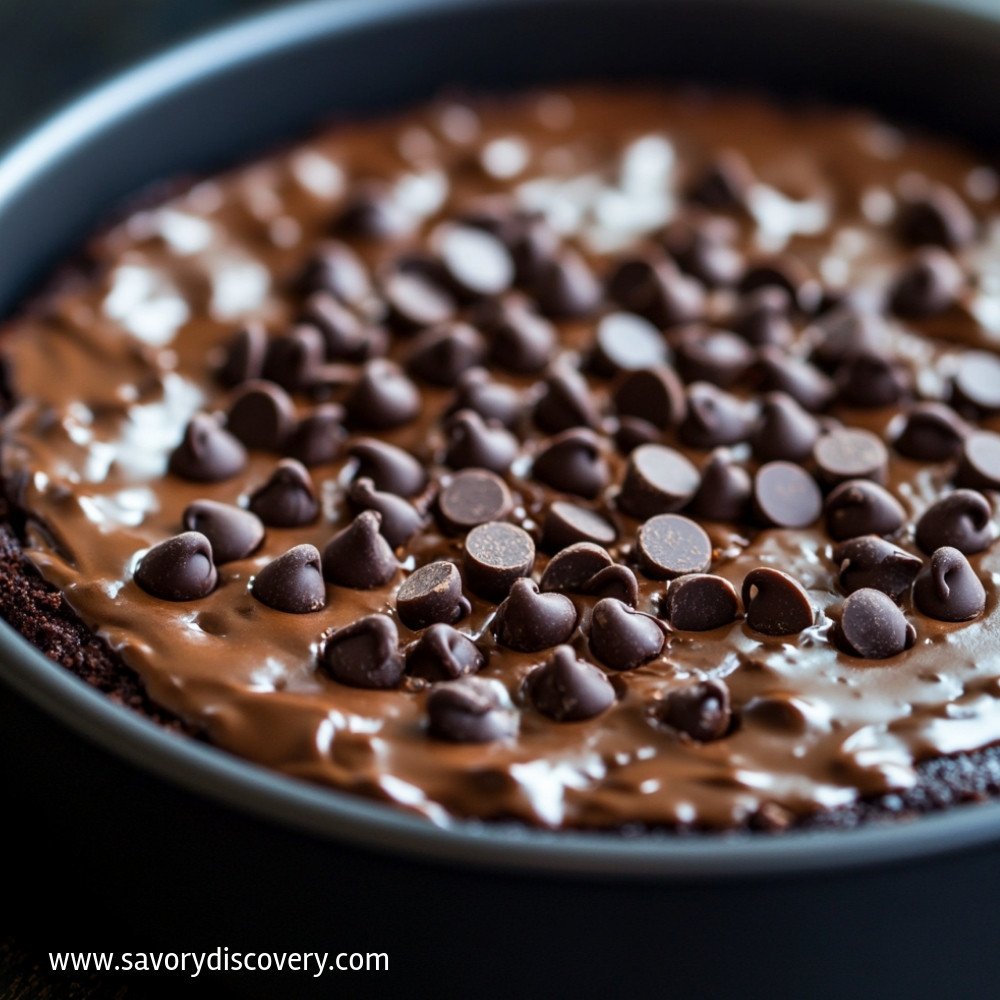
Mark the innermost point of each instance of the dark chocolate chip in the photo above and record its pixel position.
(714, 417)
(786, 496)
(806, 384)
(625, 342)
(491, 400)
(786, 272)
(567, 523)
(572, 569)
(441, 355)
(850, 453)
(359, 556)
(294, 358)
(569, 690)
(845, 331)
(319, 436)
(658, 480)
(763, 317)
(565, 287)
(776, 603)
(861, 507)
(234, 533)
(470, 710)
(178, 569)
(870, 561)
(496, 554)
(207, 453)
(654, 288)
(700, 602)
(261, 415)
(565, 402)
(870, 379)
(979, 466)
(784, 430)
(432, 594)
(472, 443)
(654, 395)
(977, 382)
(383, 397)
(476, 262)
(927, 286)
(618, 582)
(336, 269)
(872, 626)
(573, 462)
(699, 712)
(471, 497)
(723, 183)
(388, 467)
(622, 638)
(442, 653)
(415, 301)
(364, 654)
(243, 355)
(293, 582)
(400, 519)
(715, 356)
(933, 214)
(948, 588)
(962, 519)
(704, 248)
(671, 545)
(529, 620)
(725, 490)
(287, 499)
(372, 211)
(931, 432)
(345, 336)
(520, 340)
(631, 432)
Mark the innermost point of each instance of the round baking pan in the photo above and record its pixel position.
(188, 847)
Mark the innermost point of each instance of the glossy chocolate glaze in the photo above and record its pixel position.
(108, 369)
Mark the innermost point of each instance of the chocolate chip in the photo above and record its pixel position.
(287, 498)
(786, 272)
(704, 248)
(962, 519)
(431, 594)
(383, 397)
(442, 653)
(388, 467)
(851, 453)
(784, 430)
(763, 317)
(476, 262)
(714, 417)
(847, 330)
(471, 497)
(979, 466)
(345, 337)
(658, 480)
(569, 690)
(293, 582)
(472, 443)
(243, 355)
(870, 561)
(414, 301)
(622, 638)
(359, 556)
(573, 462)
(927, 286)
(724, 182)
(699, 712)
(626, 342)
(565, 402)
(786, 496)
(872, 626)
(372, 211)
(931, 432)
(631, 432)
(261, 415)
(700, 602)
(654, 288)
(520, 340)
(715, 356)
(977, 382)
(776, 603)
(178, 569)
(470, 710)
(618, 582)
(496, 554)
(933, 214)
(318, 437)
(725, 490)
(860, 507)
(491, 400)
(948, 588)
(869, 379)
(441, 355)
(567, 523)
(564, 286)
(670, 545)
(335, 268)
(207, 453)
(400, 519)
(652, 394)
(364, 654)
(293, 359)
(529, 620)
(572, 569)
(806, 384)
(234, 533)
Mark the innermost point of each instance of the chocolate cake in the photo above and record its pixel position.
(611, 459)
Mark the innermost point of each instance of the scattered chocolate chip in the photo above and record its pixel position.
(491, 400)
(724, 182)
(622, 638)
(933, 214)
(472, 443)
(976, 384)
(786, 272)
(372, 211)
(806, 384)
(572, 569)
(442, 653)
(243, 355)
(931, 432)
(520, 340)
(567, 689)
(699, 712)
(670, 545)
(700, 602)
(948, 588)
(850, 453)
(860, 507)
(654, 395)
(704, 248)
(476, 262)
(567, 523)
(400, 519)
(178, 569)
(414, 301)
(784, 430)
(961, 519)
(872, 626)
(573, 462)
(565, 402)
(345, 336)
(725, 490)
(776, 603)
(625, 342)
(529, 620)
(471, 497)
(631, 432)
(441, 355)
(618, 582)
(714, 417)
(359, 556)
(318, 437)
(293, 358)
(207, 453)
(927, 286)
(979, 466)
(763, 317)
(470, 710)
(261, 415)
(287, 499)
(844, 331)
(496, 554)
(654, 288)
(364, 654)
(390, 468)
(293, 582)
(383, 397)
(786, 496)
(234, 533)
(336, 269)
(870, 561)
(658, 480)
(431, 594)
(564, 286)
(715, 356)
(870, 379)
